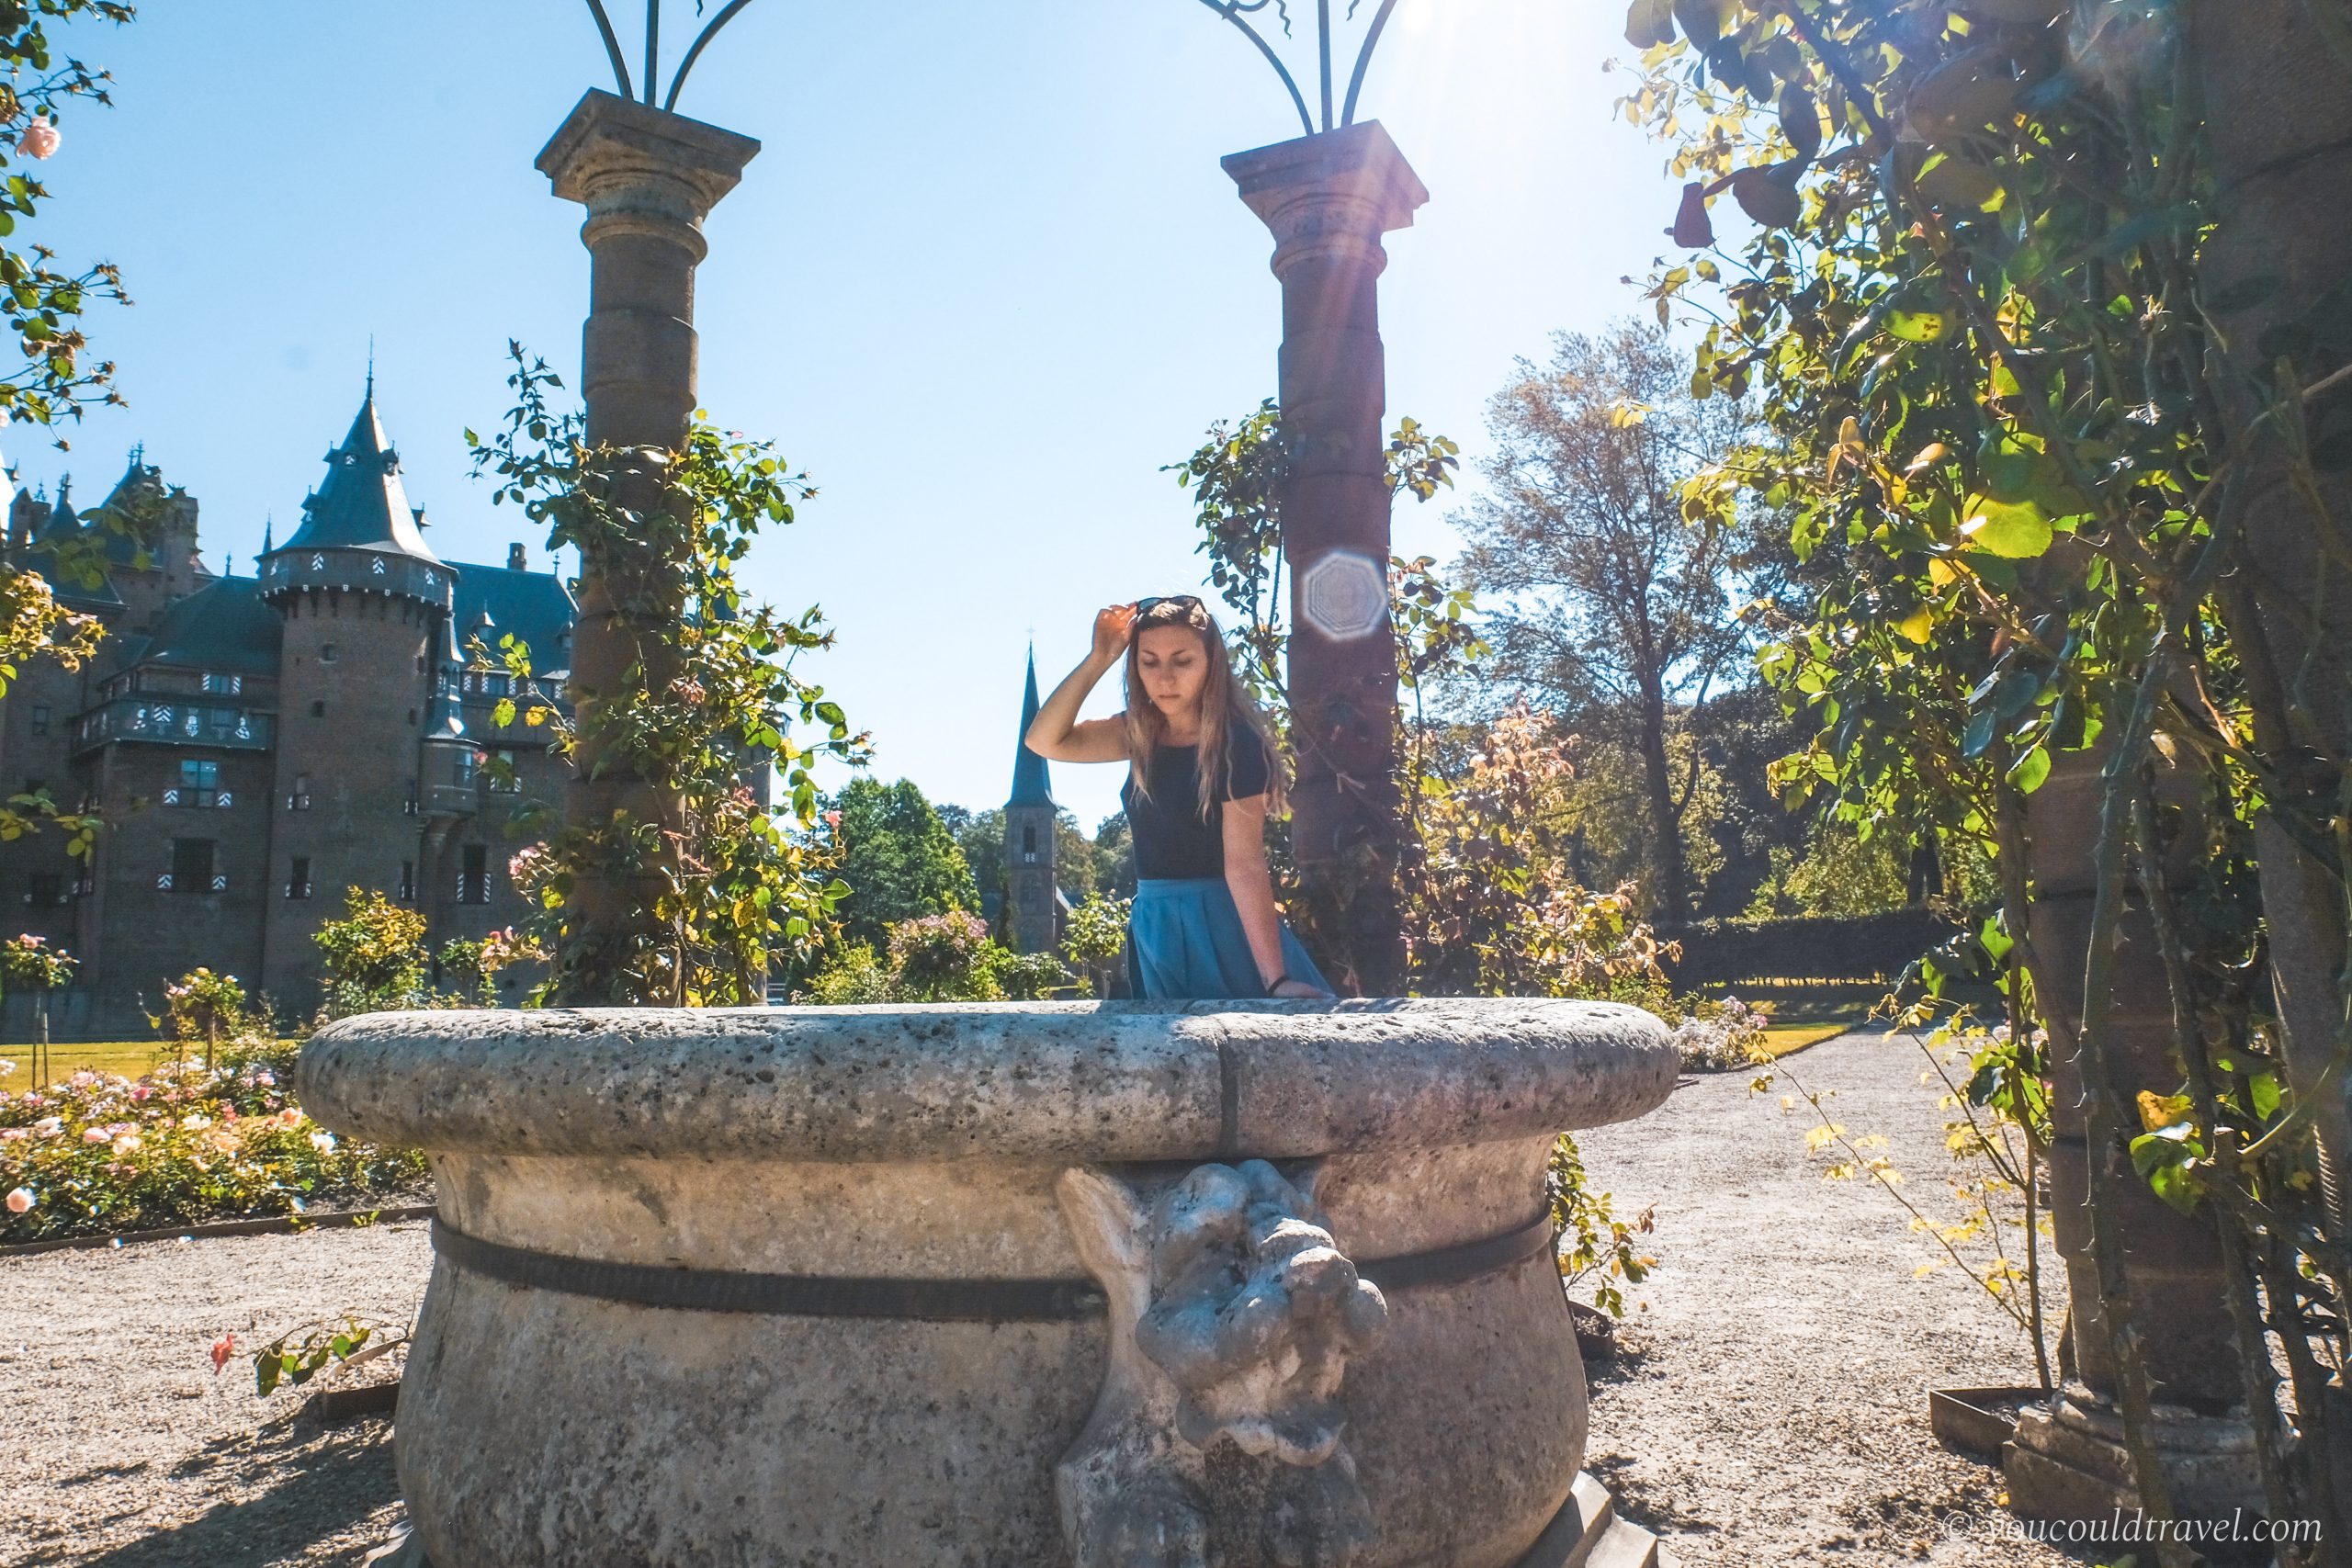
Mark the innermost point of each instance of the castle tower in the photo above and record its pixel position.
(1032, 907)
(367, 606)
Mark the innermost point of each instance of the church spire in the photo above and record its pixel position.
(1032, 785)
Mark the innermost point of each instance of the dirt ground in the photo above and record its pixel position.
(1770, 1405)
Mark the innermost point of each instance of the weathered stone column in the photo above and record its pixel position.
(2070, 1462)
(648, 178)
(1328, 199)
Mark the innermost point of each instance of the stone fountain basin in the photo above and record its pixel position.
(796, 1285)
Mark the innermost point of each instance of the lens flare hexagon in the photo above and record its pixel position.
(1344, 595)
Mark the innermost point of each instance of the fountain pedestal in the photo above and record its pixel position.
(1101, 1284)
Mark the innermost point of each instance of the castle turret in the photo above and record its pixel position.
(150, 539)
(28, 515)
(1034, 906)
(367, 608)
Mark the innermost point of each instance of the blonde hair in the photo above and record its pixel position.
(1226, 709)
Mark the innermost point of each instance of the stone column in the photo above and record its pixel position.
(2069, 1462)
(648, 178)
(1328, 199)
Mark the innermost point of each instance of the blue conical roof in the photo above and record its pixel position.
(1032, 785)
(362, 505)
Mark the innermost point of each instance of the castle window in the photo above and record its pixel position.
(199, 783)
(473, 881)
(48, 890)
(191, 868)
(40, 719)
(298, 877)
(299, 798)
(420, 664)
(32, 784)
(407, 881)
(318, 710)
(1029, 841)
(224, 686)
(412, 718)
(503, 777)
(326, 653)
(469, 765)
(408, 805)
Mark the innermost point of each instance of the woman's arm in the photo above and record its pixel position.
(1056, 731)
(1254, 892)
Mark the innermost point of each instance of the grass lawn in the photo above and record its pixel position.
(129, 1057)
(1782, 1038)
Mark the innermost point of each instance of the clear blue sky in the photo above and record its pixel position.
(984, 280)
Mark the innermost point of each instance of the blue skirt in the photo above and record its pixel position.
(1185, 941)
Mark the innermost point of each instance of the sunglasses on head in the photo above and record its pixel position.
(1183, 601)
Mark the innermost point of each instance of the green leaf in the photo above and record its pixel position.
(1979, 734)
(1650, 23)
(1994, 938)
(2264, 1088)
(2014, 531)
(2028, 771)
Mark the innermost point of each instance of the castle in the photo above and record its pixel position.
(256, 745)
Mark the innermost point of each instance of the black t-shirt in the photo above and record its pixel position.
(1171, 840)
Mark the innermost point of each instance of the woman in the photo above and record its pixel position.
(1201, 775)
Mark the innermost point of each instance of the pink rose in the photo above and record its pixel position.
(20, 1201)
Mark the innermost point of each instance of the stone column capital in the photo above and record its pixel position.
(638, 169)
(1329, 195)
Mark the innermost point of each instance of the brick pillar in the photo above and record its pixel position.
(2069, 1462)
(648, 178)
(1328, 199)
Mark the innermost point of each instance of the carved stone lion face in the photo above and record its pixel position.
(1254, 1312)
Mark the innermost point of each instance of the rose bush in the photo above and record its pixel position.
(1719, 1037)
(98, 1152)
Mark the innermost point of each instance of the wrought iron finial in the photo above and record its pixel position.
(1239, 11)
(652, 75)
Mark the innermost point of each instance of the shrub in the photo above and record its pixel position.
(943, 958)
(939, 958)
(853, 978)
(375, 956)
(1094, 938)
(1030, 976)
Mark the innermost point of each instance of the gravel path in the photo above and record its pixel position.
(127, 1453)
(1770, 1405)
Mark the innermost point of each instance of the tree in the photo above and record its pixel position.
(1602, 603)
(1114, 857)
(897, 856)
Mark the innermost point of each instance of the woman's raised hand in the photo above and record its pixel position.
(1113, 624)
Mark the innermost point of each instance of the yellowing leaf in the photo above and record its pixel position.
(1919, 625)
(1922, 326)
